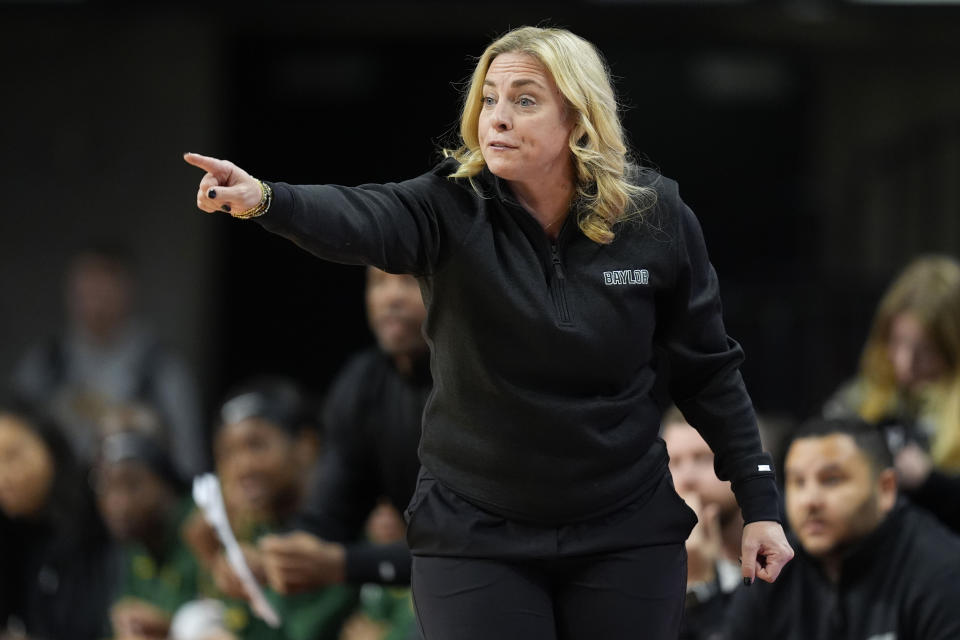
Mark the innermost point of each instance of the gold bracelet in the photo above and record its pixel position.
(266, 199)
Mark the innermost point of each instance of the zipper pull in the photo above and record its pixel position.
(558, 267)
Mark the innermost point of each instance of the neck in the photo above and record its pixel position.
(101, 336)
(155, 537)
(831, 564)
(547, 201)
(406, 362)
(154, 540)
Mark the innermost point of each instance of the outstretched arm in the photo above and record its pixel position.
(403, 227)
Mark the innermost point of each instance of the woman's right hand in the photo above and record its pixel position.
(225, 186)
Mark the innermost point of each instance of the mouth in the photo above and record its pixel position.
(814, 527)
(253, 489)
(393, 321)
(500, 146)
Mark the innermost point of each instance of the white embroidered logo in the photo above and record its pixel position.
(763, 467)
(626, 276)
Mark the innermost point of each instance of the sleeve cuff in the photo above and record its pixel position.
(280, 204)
(759, 498)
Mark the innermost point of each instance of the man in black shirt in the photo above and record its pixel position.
(372, 418)
(869, 566)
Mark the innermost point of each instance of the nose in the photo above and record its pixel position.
(241, 463)
(501, 116)
(683, 479)
(685, 482)
(904, 360)
(119, 502)
(810, 498)
(393, 294)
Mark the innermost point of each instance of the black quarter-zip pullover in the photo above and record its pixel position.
(544, 354)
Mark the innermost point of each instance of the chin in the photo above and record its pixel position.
(818, 548)
(499, 168)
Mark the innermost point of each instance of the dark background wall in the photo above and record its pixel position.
(819, 143)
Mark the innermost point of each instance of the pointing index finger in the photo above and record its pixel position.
(212, 165)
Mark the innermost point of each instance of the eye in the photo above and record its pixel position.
(831, 480)
(489, 101)
(524, 101)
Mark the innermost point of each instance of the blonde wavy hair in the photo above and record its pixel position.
(928, 289)
(604, 194)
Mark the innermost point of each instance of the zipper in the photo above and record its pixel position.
(558, 285)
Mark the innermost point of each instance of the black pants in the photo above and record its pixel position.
(636, 594)
(477, 576)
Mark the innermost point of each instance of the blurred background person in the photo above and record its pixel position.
(909, 382)
(867, 565)
(372, 420)
(105, 356)
(144, 505)
(713, 548)
(386, 612)
(265, 446)
(56, 570)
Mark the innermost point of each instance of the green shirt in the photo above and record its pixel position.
(165, 581)
(390, 606)
(313, 615)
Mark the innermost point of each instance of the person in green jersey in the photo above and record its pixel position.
(142, 502)
(266, 442)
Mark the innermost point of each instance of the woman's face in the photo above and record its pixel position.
(26, 469)
(524, 125)
(914, 356)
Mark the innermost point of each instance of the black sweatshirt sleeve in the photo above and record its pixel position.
(398, 227)
(705, 380)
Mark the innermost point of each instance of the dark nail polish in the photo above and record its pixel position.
(226, 208)
(747, 582)
(212, 194)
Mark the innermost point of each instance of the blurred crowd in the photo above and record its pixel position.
(102, 432)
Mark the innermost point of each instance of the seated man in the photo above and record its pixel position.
(714, 544)
(869, 566)
(105, 356)
(372, 419)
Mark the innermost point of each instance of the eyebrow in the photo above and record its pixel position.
(832, 467)
(519, 82)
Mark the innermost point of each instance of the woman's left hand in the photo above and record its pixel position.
(764, 551)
